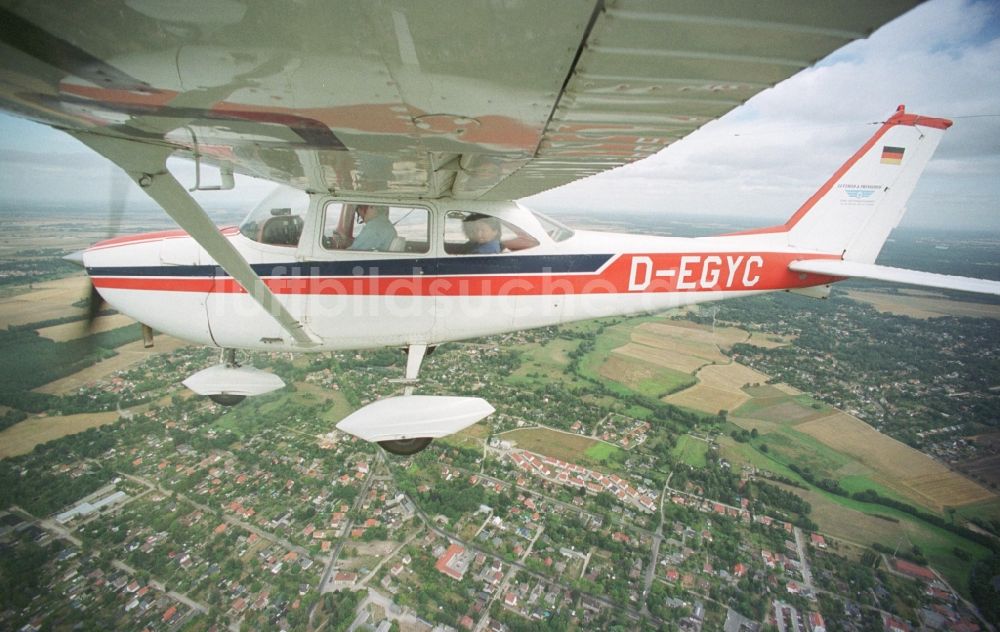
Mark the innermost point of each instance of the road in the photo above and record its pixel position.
(367, 578)
(325, 585)
(657, 539)
(807, 579)
(158, 585)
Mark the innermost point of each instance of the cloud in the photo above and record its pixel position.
(760, 161)
(765, 158)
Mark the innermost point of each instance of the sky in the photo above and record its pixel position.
(759, 162)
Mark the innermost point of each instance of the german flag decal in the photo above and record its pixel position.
(892, 155)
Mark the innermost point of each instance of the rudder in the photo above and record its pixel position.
(855, 210)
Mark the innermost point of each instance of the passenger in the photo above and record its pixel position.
(483, 233)
(377, 233)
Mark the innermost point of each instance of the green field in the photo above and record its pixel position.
(550, 359)
(602, 452)
(770, 404)
(639, 377)
(691, 451)
(567, 447)
(472, 437)
(789, 446)
(612, 338)
(859, 522)
(663, 382)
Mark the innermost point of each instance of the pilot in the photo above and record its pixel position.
(377, 232)
(483, 233)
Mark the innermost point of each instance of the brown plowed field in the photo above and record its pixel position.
(909, 472)
(720, 387)
(45, 301)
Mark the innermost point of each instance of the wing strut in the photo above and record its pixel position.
(146, 164)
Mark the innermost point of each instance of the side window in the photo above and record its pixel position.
(375, 228)
(468, 233)
(278, 219)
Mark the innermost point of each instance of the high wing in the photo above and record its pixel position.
(472, 100)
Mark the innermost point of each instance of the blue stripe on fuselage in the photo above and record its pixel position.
(438, 266)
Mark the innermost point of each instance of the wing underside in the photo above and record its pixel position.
(475, 100)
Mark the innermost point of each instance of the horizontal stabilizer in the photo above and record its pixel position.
(839, 268)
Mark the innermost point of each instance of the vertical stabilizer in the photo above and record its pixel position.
(855, 210)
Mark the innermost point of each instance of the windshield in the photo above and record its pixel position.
(278, 219)
(552, 228)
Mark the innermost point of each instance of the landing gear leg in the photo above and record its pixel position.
(414, 358)
(228, 399)
(405, 447)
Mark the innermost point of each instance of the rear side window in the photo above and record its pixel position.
(468, 233)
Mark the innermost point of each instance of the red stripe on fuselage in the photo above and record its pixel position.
(627, 274)
(228, 231)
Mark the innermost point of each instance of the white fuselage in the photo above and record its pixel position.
(353, 300)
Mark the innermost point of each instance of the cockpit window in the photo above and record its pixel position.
(375, 227)
(278, 220)
(468, 233)
(552, 228)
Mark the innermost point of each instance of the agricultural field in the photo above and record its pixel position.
(907, 471)
(769, 341)
(985, 468)
(78, 329)
(642, 377)
(772, 404)
(864, 525)
(921, 304)
(337, 409)
(21, 438)
(656, 357)
(719, 387)
(44, 301)
(835, 445)
(721, 336)
(472, 437)
(567, 446)
(550, 358)
(128, 356)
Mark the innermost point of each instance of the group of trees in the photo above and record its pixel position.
(34, 266)
(28, 360)
(842, 344)
(21, 572)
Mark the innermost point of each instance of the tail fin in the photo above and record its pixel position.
(854, 211)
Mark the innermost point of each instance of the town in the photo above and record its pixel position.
(694, 471)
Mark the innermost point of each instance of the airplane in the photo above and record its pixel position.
(402, 135)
